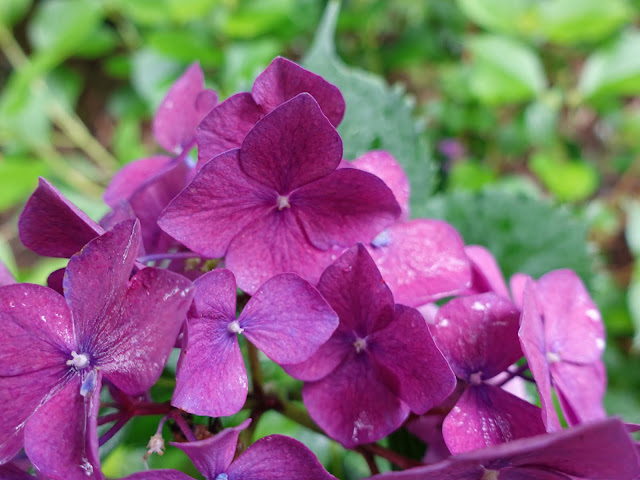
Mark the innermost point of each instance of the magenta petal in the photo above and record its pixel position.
(581, 389)
(217, 205)
(534, 347)
(61, 438)
(214, 455)
(356, 291)
(421, 261)
(414, 367)
(345, 207)
(11, 472)
(487, 276)
(517, 282)
(159, 475)
(288, 319)
(572, 323)
(384, 166)
(293, 145)
(5, 276)
(324, 361)
(486, 415)
(352, 405)
(282, 80)
(225, 127)
(277, 457)
(130, 177)
(53, 226)
(175, 122)
(478, 334)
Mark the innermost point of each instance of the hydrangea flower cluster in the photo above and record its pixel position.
(272, 236)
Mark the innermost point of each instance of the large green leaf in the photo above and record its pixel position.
(11, 11)
(525, 234)
(377, 116)
(510, 16)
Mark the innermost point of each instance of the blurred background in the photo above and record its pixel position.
(518, 121)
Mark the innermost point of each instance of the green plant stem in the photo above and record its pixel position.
(257, 378)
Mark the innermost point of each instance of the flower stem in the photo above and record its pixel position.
(176, 415)
(256, 371)
(393, 457)
(113, 430)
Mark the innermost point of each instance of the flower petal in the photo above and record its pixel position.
(159, 475)
(52, 226)
(422, 261)
(487, 276)
(293, 145)
(5, 276)
(131, 176)
(324, 361)
(282, 80)
(581, 389)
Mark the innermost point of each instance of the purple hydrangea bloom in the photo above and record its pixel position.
(227, 125)
(55, 349)
(5, 276)
(478, 334)
(278, 204)
(275, 457)
(380, 364)
(287, 319)
(562, 337)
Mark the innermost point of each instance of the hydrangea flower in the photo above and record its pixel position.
(275, 457)
(380, 364)
(5, 275)
(478, 334)
(287, 319)
(227, 125)
(278, 204)
(595, 451)
(55, 349)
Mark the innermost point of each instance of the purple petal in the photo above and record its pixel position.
(288, 319)
(421, 261)
(324, 361)
(293, 145)
(487, 276)
(159, 475)
(11, 472)
(175, 122)
(478, 334)
(517, 283)
(125, 182)
(356, 291)
(52, 226)
(282, 80)
(487, 415)
(5, 276)
(413, 366)
(61, 438)
(121, 212)
(220, 202)
(277, 457)
(55, 280)
(225, 127)
(384, 166)
(572, 323)
(534, 347)
(581, 389)
(214, 455)
(428, 428)
(445, 470)
(344, 207)
(353, 405)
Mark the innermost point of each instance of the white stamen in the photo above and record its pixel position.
(475, 378)
(222, 476)
(553, 357)
(234, 327)
(382, 239)
(283, 202)
(79, 360)
(155, 445)
(86, 467)
(490, 474)
(360, 344)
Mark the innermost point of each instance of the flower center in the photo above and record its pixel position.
(234, 327)
(490, 474)
(360, 344)
(475, 378)
(78, 360)
(156, 444)
(553, 357)
(382, 239)
(283, 202)
(222, 476)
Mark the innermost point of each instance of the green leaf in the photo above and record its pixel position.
(186, 46)
(18, 178)
(243, 61)
(12, 11)
(472, 176)
(613, 71)
(152, 74)
(525, 234)
(571, 22)
(632, 232)
(377, 116)
(510, 16)
(569, 181)
(504, 70)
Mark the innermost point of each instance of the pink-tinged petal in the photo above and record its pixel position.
(293, 145)
(572, 322)
(61, 438)
(215, 296)
(283, 79)
(52, 226)
(428, 428)
(421, 261)
(214, 455)
(125, 182)
(478, 334)
(5, 276)
(119, 213)
(487, 415)
(277, 457)
(11, 472)
(353, 405)
(345, 207)
(225, 127)
(532, 473)
(134, 343)
(517, 283)
(175, 122)
(325, 360)
(356, 291)
(273, 244)
(55, 280)
(220, 202)
(384, 166)
(410, 362)
(487, 276)
(581, 389)
(534, 347)
(445, 470)
(429, 312)
(159, 475)
(287, 319)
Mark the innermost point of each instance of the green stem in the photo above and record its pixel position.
(256, 372)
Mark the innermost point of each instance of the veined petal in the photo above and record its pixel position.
(293, 145)
(283, 79)
(159, 475)
(288, 319)
(11, 472)
(487, 276)
(325, 360)
(131, 176)
(517, 282)
(581, 389)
